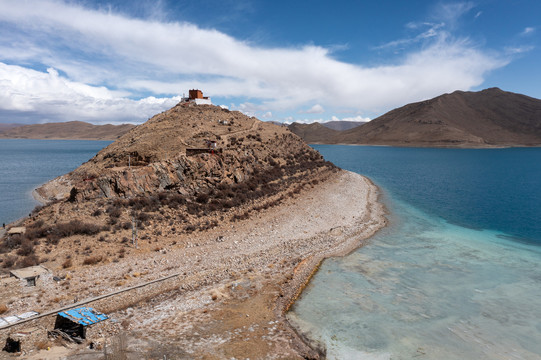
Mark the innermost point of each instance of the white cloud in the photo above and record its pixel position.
(450, 13)
(432, 31)
(357, 118)
(248, 108)
(267, 115)
(316, 109)
(527, 31)
(96, 51)
(519, 49)
(307, 121)
(53, 97)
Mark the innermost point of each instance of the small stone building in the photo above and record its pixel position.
(30, 274)
(19, 230)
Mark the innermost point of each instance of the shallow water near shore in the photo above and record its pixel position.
(429, 287)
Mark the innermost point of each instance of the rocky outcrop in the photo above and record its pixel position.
(189, 150)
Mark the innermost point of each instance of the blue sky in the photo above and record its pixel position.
(124, 61)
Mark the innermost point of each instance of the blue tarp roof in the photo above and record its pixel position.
(84, 316)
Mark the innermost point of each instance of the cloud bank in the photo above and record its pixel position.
(101, 66)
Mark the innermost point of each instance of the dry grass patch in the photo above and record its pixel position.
(92, 260)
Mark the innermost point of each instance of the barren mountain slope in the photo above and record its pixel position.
(491, 117)
(74, 130)
(313, 133)
(341, 125)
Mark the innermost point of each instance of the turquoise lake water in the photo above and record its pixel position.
(456, 273)
(26, 164)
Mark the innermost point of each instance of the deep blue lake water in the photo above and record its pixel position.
(26, 164)
(456, 273)
(497, 189)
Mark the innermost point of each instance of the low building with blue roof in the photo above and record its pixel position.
(74, 322)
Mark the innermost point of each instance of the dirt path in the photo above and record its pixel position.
(254, 126)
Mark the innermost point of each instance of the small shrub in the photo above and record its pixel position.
(92, 260)
(143, 216)
(10, 243)
(114, 212)
(9, 261)
(37, 209)
(30, 260)
(67, 264)
(73, 194)
(202, 198)
(3, 308)
(36, 224)
(27, 248)
(97, 212)
(75, 227)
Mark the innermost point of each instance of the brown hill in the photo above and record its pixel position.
(491, 117)
(4, 127)
(168, 168)
(487, 118)
(314, 133)
(341, 125)
(164, 180)
(75, 130)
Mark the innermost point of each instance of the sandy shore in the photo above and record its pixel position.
(235, 282)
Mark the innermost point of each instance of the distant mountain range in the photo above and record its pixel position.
(487, 118)
(76, 130)
(7, 126)
(339, 125)
(342, 125)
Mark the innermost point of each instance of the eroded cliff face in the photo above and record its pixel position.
(187, 150)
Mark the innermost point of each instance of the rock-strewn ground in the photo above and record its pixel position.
(235, 282)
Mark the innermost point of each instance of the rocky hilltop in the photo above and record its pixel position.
(192, 151)
(71, 130)
(488, 118)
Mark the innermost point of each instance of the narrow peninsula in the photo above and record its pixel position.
(193, 232)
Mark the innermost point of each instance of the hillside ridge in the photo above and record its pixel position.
(488, 118)
(71, 130)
